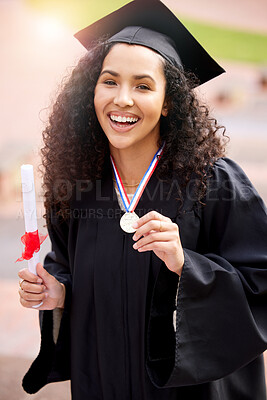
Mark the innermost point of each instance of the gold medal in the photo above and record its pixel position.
(127, 221)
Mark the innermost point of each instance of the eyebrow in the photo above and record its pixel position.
(136, 77)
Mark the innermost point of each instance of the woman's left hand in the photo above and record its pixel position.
(158, 233)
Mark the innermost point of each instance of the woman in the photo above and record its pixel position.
(158, 272)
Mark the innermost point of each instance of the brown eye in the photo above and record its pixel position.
(109, 82)
(143, 87)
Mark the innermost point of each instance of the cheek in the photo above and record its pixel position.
(101, 99)
(152, 110)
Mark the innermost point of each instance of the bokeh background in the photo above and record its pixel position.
(37, 50)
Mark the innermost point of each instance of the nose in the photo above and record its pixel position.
(123, 98)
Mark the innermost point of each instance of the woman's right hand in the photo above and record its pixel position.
(41, 288)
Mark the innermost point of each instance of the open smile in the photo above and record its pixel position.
(122, 123)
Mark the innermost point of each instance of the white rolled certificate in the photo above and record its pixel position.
(29, 205)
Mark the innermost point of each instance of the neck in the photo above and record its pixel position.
(132, 164)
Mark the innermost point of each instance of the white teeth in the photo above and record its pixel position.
(123, 119)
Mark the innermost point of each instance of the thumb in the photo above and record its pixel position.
(44, 275)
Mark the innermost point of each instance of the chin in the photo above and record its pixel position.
(120, 143)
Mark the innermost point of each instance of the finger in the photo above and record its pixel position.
(21, 282)
(153, 237)
(32, 287)
(153, 225)
(47, 278)
(156, 246)
(29, 276)
(31, 304)
(32, 297)
(152, 215)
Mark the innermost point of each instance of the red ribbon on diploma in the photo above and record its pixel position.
(32, 242)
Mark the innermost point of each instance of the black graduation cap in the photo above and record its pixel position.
(150, 23)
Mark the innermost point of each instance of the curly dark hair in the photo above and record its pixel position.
(75, 147)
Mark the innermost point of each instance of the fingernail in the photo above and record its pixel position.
(134, 237)
(135, 246)
(39, 280)
(135, 225)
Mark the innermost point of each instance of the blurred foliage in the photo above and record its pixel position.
(221, 42)
(228, 43)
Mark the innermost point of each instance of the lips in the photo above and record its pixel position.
(122, 122)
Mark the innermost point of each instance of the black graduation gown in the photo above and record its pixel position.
(117, 340)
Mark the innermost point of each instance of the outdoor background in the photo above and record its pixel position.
(37, 49)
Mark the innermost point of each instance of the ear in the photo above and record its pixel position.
(164, 110)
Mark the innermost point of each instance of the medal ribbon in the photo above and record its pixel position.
(130, 206)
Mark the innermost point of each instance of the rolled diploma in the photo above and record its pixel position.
(29, 205)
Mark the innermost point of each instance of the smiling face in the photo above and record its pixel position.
(130, 96)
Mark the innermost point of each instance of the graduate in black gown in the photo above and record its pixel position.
(156, 285)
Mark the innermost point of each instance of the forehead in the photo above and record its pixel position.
(138, 58)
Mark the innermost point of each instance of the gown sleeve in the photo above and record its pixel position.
(221, 311)
(53, 361)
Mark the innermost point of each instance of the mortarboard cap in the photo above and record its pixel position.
(150, 23)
